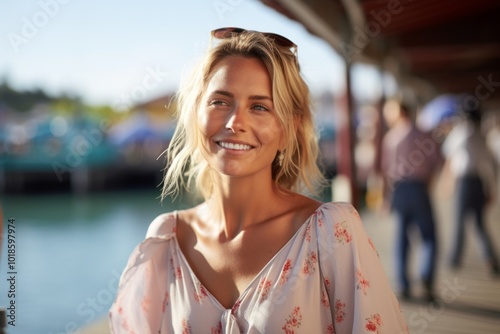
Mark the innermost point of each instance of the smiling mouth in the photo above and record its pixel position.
(232, 146)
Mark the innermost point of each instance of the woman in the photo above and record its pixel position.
(474, 169)
(255, 256)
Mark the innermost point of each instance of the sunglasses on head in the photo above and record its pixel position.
(229, 32)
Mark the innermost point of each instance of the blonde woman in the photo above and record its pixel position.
(255, 256)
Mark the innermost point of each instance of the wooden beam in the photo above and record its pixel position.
(309, 18)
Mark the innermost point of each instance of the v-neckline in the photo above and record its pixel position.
(257, 276)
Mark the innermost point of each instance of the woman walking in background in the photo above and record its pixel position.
(410, 161)
(475, 171)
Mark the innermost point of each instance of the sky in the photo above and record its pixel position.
(130, 51)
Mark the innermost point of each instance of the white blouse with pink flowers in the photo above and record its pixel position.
(326, 279)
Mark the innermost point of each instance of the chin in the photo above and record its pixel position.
(229, 169)
(232, 172)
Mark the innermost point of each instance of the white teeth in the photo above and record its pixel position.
(231, 146)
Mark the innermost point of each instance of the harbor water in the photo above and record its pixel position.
(69, 253)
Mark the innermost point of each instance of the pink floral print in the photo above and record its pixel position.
(172, 267)
(373, 323)
(145, 303)
(370, 241)
(200, 292)
(361, 282)
(341, 233)
(285, 272)
(293, 321)
(216, 330)
(178, 273)
(324, 299)
(354, 212)
(309, 263)
(328, 284)
(165, 302)
(186, 329)
(307, 233)
(264, 287)
(320, 219)
(236, 307)
(339, 311)
(125, 325)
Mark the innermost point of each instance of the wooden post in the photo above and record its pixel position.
(380, 126)
(346, 140)
(351, 126)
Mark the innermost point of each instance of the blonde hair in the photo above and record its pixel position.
(291, 100)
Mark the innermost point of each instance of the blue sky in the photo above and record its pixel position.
(108, 51)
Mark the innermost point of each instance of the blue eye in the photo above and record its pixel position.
(217, 103)
(260, 107)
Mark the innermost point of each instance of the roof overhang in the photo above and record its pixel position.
(432, 47)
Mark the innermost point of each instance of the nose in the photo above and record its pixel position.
(237, 120)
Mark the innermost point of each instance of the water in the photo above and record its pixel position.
(70, 251)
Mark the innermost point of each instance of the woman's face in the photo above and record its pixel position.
(240, 132)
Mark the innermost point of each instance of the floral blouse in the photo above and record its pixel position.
(326, 279)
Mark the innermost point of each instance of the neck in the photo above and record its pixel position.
(237, 203)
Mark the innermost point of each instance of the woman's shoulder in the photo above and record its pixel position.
(163, 226)
(339, 212)
(345, 207)
(339, 224)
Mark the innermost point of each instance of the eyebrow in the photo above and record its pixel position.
(251, 97)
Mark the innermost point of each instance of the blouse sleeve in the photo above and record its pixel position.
(361, 298)
(139, 303)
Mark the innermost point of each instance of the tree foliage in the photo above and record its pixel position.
(22, 101)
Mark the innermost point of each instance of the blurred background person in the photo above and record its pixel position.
(474, 170)
(410, 159)
(493, 139)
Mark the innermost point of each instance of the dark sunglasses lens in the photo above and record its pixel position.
(282, 41)
(223, 33)
(226, 32)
